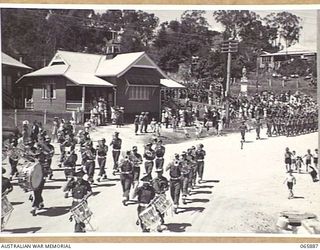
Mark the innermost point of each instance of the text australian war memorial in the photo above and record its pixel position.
(165, 119)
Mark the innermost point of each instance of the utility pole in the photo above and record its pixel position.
(229, 46)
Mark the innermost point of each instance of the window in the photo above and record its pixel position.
(139, 93)
(266, 59)
(49, 91)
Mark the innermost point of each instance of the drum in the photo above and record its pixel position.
(31, 176)
(150, 218)
(6, 207)
(81, 212)
(162, 204)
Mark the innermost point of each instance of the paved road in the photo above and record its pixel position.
(243, 192)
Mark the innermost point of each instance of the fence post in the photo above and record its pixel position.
(45, 117)
(16, 117)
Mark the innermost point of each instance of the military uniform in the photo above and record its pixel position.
(186, 174)
(159, 151)
(269, 126)
(200, 154)
(116, 149)
(149, 156)
(160, 185)
(88, 158)
(145, 195)
(126, 177)
(175, 182)
(69, 163)
(136, 159)
(102, 151)
(80, 190)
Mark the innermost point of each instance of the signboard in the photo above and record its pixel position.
(244, 88)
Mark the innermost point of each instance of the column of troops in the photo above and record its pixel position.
(290, 125)
(149, 192)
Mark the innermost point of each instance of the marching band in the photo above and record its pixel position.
(150, 193)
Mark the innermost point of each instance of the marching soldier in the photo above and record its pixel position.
(161, 186)
(269, 125)
(159, 151)
(175, 182)
(149, 155)
(126, 176)
(13, 158)
(200, 154)
(88, 158)
(136, 159)
(116, 148)
(145, 195)
(67, 142)
(193, 165)
(102, 150)
(80, 190)
(258, 128)
(186, 176)
(49, 156)
(69, 162)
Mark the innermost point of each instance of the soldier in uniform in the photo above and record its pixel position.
(161, 186)
(80, 190)
(243, 128)
(68, 141)
(186, 174)
(13, 158)
(102, 150)
(126, 176)
(193, 165)
(149, 155)
(136, 123)
(269, 125)
(200, 154)
(136, 159)
(258, 128)
(88, 158)
(159, 151)
(50, 154)
(145, 195)
(69, 162)
(175, 182)
(116, 148)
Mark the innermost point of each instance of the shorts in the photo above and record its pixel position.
(290, 185)
(287, 161)
(308, 161)
(315, 160)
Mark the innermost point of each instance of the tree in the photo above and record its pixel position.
(287, 25)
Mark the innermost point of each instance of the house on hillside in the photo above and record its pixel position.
(273, 60)
(12, 70)
(73, 80)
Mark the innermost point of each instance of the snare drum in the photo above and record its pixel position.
(150, 218)
(81, 212)
(6, 207)
(162, 204)
(31, 176)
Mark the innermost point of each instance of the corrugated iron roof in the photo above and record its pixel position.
(85, 79)
(118, 64)
(8, 60)
(55, 70)
(169, 83)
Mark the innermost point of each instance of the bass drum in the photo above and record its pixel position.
(31, 176)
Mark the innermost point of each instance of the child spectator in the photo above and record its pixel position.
(290, 181)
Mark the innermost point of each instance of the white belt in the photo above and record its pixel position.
(101, 156)
(116, 149)
(200, 160)
(149, 160)
(160, 157)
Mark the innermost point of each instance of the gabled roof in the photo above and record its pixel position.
(168, 83)
(296, 49)
(8, 60)
(85, 69)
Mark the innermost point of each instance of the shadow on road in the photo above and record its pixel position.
(115, 179)
(104, 185)
(297, 197)
(191, 209)
(203, 186)
(55, 211)
(52, 187)
(208, 181)
(15, 203)
(23, 230)
(200, 192)
(177, 227)
(197, 200)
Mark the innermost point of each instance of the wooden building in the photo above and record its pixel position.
(72, 80)
(12, 70)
